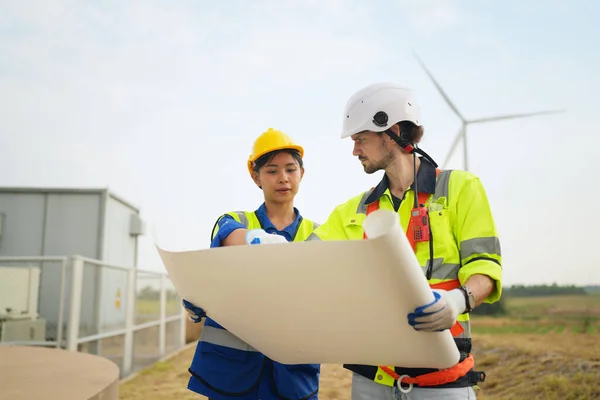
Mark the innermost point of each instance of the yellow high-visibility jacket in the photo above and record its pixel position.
(250, 221)
(465, 240)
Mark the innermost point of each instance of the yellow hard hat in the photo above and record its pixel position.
(271, 140)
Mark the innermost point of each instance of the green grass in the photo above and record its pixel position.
(149, 309)
(563, 306)
(542, 315)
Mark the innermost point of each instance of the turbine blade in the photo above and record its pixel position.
(513, 116)
(457, 138)
(439, 88)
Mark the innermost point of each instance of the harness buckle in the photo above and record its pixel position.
(400, 387)
(476, 376)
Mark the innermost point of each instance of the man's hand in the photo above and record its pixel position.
(195, 313)
(260, 236)
(439, 315)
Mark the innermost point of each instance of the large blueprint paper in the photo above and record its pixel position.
(319, 302)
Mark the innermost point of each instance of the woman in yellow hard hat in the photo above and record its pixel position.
(224, 366)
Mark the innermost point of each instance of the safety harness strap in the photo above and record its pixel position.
(442, 376)
(456, 329)
(411, 239)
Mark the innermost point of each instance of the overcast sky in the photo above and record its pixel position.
(161, 101)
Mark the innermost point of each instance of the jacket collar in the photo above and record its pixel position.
(426, 179)
(289, 232)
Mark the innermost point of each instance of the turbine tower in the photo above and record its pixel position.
(462, 132)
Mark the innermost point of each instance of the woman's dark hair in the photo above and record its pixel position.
(265, 158)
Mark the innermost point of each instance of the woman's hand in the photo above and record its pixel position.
(259, 236)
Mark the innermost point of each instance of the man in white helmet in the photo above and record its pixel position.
(457, 245)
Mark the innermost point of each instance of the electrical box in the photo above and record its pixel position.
(19, 288)
(137, 226)
(23, 330)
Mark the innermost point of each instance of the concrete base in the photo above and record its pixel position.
(28, 372)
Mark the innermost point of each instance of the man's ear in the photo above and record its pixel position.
(396, 129)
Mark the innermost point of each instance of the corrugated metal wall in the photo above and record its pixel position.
(50, 224)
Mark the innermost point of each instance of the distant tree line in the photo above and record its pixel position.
(592, 289)
(496, 309)
(544, 290)
(499, 307)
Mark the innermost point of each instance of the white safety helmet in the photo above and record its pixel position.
(379, 106)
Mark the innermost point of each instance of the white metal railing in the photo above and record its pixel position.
(70, 336)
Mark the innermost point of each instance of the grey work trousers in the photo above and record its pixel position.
(366, 389)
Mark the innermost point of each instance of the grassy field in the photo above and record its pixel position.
(149, 309)
(545, 348)
(552, 314)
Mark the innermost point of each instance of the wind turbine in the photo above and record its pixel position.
(462, 132)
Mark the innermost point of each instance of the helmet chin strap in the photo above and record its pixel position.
(408, 147)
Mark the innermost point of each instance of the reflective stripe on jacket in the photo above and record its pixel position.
(224, 366)
(465, 242)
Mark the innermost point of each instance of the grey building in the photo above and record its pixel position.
(92, 223)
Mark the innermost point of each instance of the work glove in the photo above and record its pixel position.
(260, 236)
(195, 313)
(440, 314)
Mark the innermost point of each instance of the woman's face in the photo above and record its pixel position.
(279, 178)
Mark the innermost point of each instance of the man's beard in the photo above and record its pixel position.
(383, 163)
